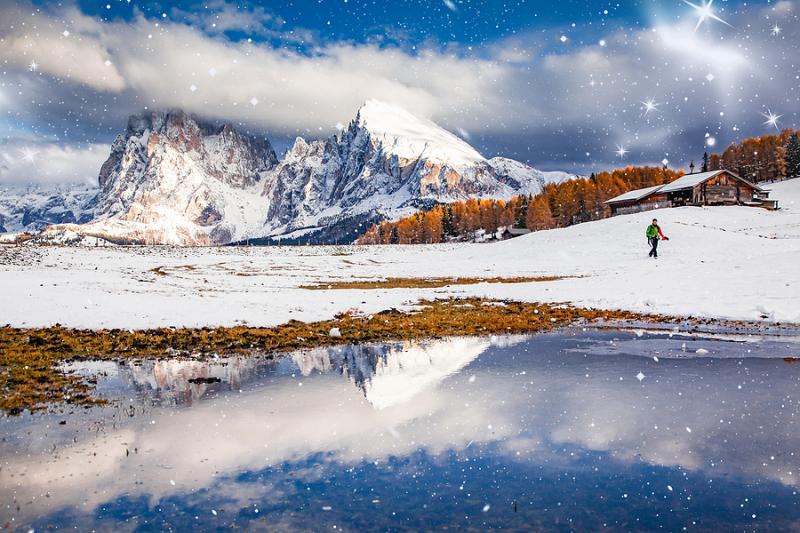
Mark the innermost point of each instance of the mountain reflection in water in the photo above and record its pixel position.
(471, 422)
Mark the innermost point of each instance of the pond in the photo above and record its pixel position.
(569, 430)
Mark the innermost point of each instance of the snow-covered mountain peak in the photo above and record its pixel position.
(410, 137)
(175, 178)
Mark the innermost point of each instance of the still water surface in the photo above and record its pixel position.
(572, 430)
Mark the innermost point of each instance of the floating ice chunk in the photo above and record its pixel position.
(701, 351)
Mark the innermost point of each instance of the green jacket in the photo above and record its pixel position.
(652, 232)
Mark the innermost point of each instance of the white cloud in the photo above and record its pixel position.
(160, 61)
(38, 162)
(511, 88)
(219, 16)
(38, 43)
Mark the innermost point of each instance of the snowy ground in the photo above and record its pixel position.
(724, 262)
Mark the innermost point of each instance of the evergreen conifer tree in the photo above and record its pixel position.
(793, 156)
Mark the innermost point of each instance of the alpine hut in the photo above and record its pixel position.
(718, 187)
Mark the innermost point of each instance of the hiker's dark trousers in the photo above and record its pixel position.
(653, 246)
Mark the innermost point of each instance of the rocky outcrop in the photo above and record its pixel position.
(172, 178)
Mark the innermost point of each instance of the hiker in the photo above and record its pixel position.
(654, 234)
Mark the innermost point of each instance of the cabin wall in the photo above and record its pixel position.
(656, 201)
(724, 190)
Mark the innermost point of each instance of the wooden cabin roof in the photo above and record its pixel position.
(635, 195)
(687, 181)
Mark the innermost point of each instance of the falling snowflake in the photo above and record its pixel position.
(650, 105)
(772, 119)
(254, 101)
(640, 376)
(193, 87)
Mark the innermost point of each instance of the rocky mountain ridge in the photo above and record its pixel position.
(176, 179)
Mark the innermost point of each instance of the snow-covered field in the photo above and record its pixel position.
(722, 262)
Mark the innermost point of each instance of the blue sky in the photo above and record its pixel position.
(561, 85)
(469, 22)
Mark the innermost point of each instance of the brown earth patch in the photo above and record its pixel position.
(423, 283)
(166, 270)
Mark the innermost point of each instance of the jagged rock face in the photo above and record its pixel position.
(174, 179)
(386, 161)
(186, 176)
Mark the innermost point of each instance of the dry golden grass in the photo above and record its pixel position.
(422, 283)
(29, 358)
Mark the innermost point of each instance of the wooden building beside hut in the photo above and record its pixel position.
(718, 187)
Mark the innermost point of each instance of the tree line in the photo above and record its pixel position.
(558, 205)
(765, 158)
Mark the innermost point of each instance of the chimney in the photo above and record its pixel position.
(691, 167)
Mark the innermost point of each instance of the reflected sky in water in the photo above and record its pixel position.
(572, 430)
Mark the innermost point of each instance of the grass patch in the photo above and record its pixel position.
(423, 283)
(166, 270)
(30, 377)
